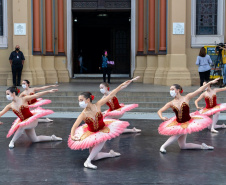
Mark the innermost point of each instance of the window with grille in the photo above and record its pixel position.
(206, 17)
(1, 18)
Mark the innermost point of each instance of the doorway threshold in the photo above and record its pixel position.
(100, 75)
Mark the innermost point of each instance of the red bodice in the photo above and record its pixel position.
(113, 104)
(96, 124)
(23, 113)
(183, 114)
(32, 101)
(211, 102)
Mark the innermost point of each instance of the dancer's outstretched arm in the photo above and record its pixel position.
(114, 92)
(200, 89)
(5, 110)
(44, 87)
(37, 95)
(75, 126)
(167, 106)
(198, 99)
(219, 89)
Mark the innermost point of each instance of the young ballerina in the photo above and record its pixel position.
(97, 130)
(116, 110)
(36, 102)
(212, 109)
(27, 120)
(183, 123)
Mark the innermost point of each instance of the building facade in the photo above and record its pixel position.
(158, 40)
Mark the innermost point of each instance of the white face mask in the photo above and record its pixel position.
(24, 86)
(82, 104)
(8, 97)
(173, 93)
(102, 91)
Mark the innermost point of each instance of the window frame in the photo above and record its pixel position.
(198, 41)
(4, 38)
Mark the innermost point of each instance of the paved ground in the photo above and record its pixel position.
(140, 163)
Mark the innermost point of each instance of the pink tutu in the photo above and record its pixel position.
(112, 129)
(197, 123)
(40, 102)
(37, 113)
(214, 110)
(118, 113)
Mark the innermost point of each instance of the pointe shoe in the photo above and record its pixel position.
(136, 130)
(90, 165)
(214, 131)
(55, 138)
(11, 144)
(114, 154)
(206, 147)
(162, 150)
(49, 120)
(223, 126)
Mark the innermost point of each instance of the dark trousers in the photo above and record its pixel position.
(204, 76)
(17, 70)
(108, 72)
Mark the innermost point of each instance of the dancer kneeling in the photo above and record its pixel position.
(27, 120)
(96, 131)
(35, 102)
(183, 123)
(212, 109)
(116, 110)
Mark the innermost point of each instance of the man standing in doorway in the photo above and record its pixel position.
(16, 60)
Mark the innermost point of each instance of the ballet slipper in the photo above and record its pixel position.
(206, 147)
(214, 131)
(55, 138)
(223, 126)
(11, 144)
(136, 130)
(114, 154)
(49, 120)
(88, 164)
(162, 150)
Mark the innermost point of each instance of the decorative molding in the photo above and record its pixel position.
(106, 4)
(201, 40)
(118, 4)
(84, 4)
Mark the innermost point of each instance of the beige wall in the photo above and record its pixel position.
(178, 66)
(38, 69)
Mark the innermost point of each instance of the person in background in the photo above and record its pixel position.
(105, 68)
(203, 61)
(16, 60)
(80, 59)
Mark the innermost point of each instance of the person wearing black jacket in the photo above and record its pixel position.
(16, 60)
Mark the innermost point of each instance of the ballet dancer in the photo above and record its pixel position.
(27, 120)
(212, 109)
(36, 102)
(116, 110)
(183, 123)
(97, 130)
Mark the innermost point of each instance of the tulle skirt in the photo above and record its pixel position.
(197, 123)
(112, 129)
(40, 102)
(214, 110)
(37, 113)
(116, 114)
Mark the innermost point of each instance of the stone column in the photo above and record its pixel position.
(22, 15)
(140, 58)
(152, 60)
(177, 71)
